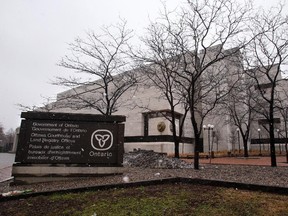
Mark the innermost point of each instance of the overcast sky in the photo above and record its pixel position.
(34, 35)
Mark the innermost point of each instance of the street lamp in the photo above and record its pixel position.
(238, 136)
(209, 127)
(259, 141)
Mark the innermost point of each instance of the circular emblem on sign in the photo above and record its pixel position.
(101, 140)
(161, 126)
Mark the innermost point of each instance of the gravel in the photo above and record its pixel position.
(150, 159)
(141, 165)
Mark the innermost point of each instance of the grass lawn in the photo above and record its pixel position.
(167, 199)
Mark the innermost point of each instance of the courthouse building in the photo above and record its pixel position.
(147, 128)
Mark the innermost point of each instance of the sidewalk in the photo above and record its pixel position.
(253, 160)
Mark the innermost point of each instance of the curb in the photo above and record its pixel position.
(7, 179)
(195, 181)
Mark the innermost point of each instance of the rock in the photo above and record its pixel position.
(126, 179)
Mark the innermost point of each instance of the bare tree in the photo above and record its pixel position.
(199, 37)
(264, 57)
(189, 49)
(102, 58)
(2, 137)
(283, 110)
(6, 139)
(240, 107)
(161, 68)
(47, 106)
(9, 135)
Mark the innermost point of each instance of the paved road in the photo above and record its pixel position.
(6, 161)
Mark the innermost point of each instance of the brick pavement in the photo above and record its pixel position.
(252, 160)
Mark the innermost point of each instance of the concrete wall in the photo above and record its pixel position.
(137, 101)
(167, 147)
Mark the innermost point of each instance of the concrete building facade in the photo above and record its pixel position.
(147, 115)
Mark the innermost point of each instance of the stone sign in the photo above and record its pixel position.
(81, 140)
(68, 142)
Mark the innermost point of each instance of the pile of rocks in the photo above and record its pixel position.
(150, 159)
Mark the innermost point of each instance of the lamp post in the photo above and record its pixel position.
(259, 141)
(279, 143)
(209, 127)
(238, 136)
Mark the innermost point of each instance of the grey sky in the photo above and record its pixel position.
(34, 36)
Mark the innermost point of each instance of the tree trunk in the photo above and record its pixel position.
(272, 152)
(176, 148)
(196, 151)
(272, 137)
(197, 141)
(245, 143)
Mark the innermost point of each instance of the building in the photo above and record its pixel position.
(147, 113)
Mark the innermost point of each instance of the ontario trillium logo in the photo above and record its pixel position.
(101, 140)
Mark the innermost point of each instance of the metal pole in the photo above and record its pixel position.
(209, 144)
(259, 141)
(238, 134)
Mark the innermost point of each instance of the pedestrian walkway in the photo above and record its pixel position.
(253, 160)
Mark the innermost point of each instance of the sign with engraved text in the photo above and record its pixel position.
(51, 141)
